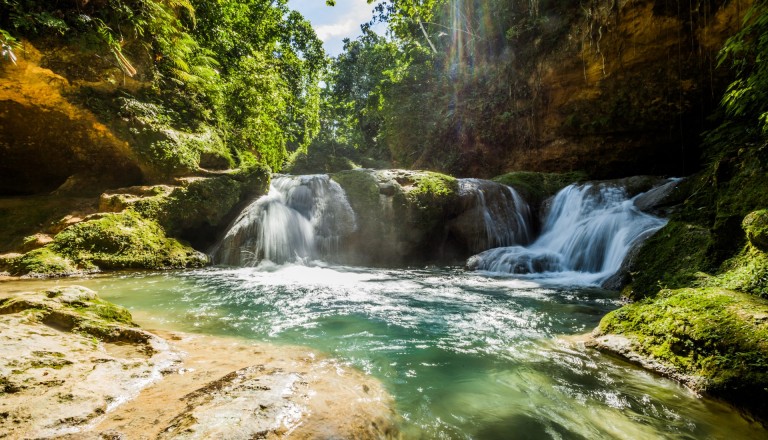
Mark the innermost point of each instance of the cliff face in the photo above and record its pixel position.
(46, 139)
(631, 90)
(611, 88)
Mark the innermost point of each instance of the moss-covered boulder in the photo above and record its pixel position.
(413, 217)
(755, 225)
(714, 340)
(108, 241)
(42, 262)
(76, 309)
(676, 256)
(198, 208)
(537, 187)
(399, 214)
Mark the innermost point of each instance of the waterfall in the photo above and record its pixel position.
(493, 215)
(587, 233)
(300, 218)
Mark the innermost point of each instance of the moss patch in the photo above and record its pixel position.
(43, 261)
(109, 241)
(196, 209)
(76, 309)
(718, 336)
(124, 240)
(745, 272)
(676, 256)
(755, 225)
(536, 187)
(428, 185)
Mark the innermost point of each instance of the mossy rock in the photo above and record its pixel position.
(42, 262)
(400, 214)
(676, 256)
(755, 225)
(536, 187)
(109, 241)
(718, 338)
(198, 208)
(746, 272)
(76, 309)
(124, 240)
(424, 187)
(361, 188)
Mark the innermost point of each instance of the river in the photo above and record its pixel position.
(466, 355)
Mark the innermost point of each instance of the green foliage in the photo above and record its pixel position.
(270, 61)
(747, 52)
(718, 336)
(444, 92)
(248, 69)
(7, 45)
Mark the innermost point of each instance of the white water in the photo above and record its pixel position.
(504, 217)
(586, 236)
(301, 218)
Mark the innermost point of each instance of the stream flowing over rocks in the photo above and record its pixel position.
(397, 217)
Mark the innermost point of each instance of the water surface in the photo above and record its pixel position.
(466, 355)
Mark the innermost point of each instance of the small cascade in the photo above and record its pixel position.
(587, 233)
(301, 218)
(493, 215)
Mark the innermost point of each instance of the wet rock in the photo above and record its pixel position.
(58, 371)
(73, 366)
(710, 339)
(662, 199)
(413, 217)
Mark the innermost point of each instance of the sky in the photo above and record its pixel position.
(334, 23)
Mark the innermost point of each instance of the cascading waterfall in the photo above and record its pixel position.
(587, 233)
(501, 217)
(300, 218)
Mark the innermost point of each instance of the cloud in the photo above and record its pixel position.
(334, 24)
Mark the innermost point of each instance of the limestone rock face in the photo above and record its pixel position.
(611, 88)
(45, 139)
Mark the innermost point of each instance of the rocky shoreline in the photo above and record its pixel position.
(75, 366)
